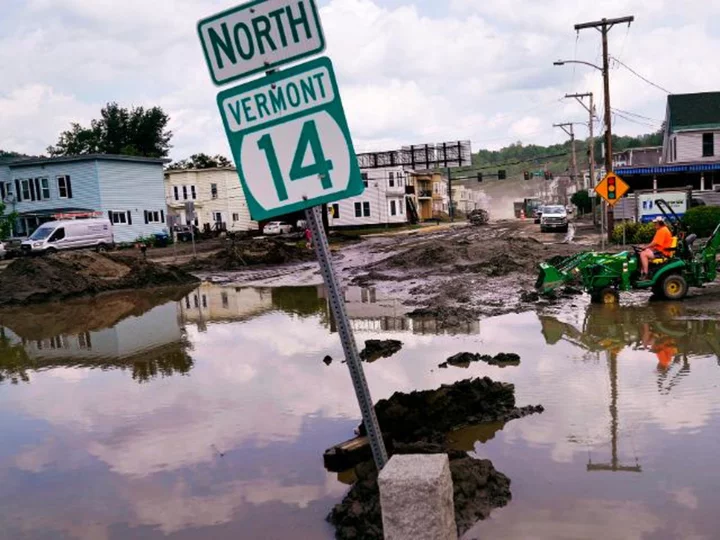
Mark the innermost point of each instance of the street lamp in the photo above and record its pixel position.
(563, 62)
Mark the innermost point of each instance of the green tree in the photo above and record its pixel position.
(6, 222)
(136, 131)
(201, 161)
(582, 200)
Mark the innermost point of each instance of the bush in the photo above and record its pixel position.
(702, 220)
(635, 233)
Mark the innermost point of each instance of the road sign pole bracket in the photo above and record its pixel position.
(337, 306)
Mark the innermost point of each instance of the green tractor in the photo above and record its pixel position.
(604, 275)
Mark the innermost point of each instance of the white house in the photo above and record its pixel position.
(692, 128)
(217, 195)
(126, 189)
(382, 202)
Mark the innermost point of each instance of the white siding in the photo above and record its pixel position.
(132, 187)
(230, 198)
(690, 147)
(379, 194)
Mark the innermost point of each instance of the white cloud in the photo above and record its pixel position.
(406, 75)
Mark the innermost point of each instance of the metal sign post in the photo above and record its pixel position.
(337, 305)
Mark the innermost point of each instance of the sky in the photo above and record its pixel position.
(409, 72)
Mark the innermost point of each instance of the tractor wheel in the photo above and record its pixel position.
(608, 295)
(674, 287)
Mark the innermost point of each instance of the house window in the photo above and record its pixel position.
(364, 177)
(358, 209)
(44, 188)
(236, 217)
(193, 193)
(176, 192)
(391, 179)
(84, 340)
(204, 297)
(117, 218)
(393, 208)
(187, 302)
(154, 216)
(224, 299)
(196, 301)
(366, 209)
(708, 144)
(64, 187)
(213, 191)
(25, 186)
(401, 206)
(400, 180)
(674, 150)
(336, 211)
(184, 193)
(217, 217)
(9, 190)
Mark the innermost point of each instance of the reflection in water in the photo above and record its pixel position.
(368, 310)
(139, 332)
(234, 449)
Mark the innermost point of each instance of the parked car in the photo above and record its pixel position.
(554, 218)
(277, 227)
(55, 236)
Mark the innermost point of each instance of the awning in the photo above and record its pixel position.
(60, 213)
(667, 169)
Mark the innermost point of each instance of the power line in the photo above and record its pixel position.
(646, 124)
(638, 115)
(631, 70)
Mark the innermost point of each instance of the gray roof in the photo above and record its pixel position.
(23, 162)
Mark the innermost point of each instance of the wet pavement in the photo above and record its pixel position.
(205, 414)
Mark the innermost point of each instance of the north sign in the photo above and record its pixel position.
(290, 140)
(259, 36)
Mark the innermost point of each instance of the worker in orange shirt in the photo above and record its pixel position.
(659, 247)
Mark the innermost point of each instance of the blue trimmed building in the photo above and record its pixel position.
(128, 190)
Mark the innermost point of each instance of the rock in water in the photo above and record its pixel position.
(379, 348)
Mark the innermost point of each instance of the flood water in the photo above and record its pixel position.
(204, 414)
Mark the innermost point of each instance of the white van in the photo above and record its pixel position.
(54, 236)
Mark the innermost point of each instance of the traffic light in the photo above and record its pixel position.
(611, 188)
(479, 177)
(502, 174)
(526, 175)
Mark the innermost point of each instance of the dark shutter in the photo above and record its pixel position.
(162, 216)
(18, 193)
(2, 190)
(146, 216)
(69, 187)
(129, 217)
(37, 189)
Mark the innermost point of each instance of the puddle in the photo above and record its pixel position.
(205, 414)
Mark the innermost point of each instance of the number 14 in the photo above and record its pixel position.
(320, 166)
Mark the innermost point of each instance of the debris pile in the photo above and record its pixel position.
(65, 275)
(419, 423)
(478, 217)
(477, 489)
(379, 348)
(253, 252)
(464, 359)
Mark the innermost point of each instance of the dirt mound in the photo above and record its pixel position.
(379, 348)
(491, 256)
(464, 359)
(477, 489)
(64, 275)
(428, 415)
(253, 252)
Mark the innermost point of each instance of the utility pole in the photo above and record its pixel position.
(604, 26)
(451, 210)
(591, 111)
(567, 127)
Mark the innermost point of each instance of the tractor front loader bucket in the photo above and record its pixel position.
(559, 271)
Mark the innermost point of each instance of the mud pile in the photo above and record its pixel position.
(477, 489)
(379, 348)
(64, 275)
(253, 252)
(419, 423)
(428, 415)
(483, 254)
(464, 359)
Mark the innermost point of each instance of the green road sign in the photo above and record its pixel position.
(290, 140)
(259, 36)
